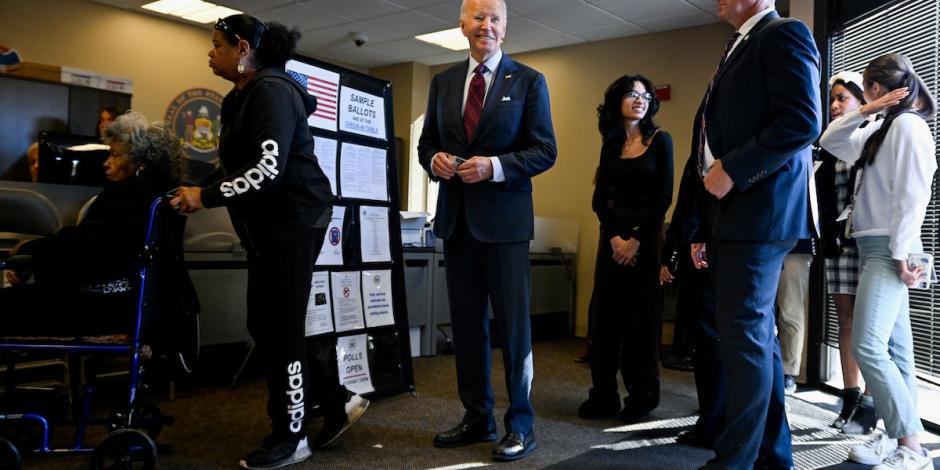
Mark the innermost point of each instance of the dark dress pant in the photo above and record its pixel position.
(627, 327)
(756, 421)
(697, 292)
(476, 271)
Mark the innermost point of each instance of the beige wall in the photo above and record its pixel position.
(162, 57)
(577, 77)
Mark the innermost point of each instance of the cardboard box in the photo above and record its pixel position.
(74, 76)
(46, 72)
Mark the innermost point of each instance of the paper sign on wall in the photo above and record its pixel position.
(325, 150)
(352, 362)
(362, 113)
(377, 297)
(362, 172)
(331, 253)
(347, 301)
(319, 318)
(320, 83)
(373, 234)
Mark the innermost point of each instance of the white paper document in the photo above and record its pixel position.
(331, 253)
(377, 297)
(325, 149)
(361, 113)
(323, 84)
(362, 172)
(347, 301)
(319, 318)
(352, 362)
(373, 234)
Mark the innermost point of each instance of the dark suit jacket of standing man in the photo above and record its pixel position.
(762, 116)
(516, 127)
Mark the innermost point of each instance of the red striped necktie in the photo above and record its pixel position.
(711, 84)
(474, 106)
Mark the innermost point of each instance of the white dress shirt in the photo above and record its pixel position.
(894, 191)
(743, 31)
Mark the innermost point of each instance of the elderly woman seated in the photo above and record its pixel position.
(82, 273)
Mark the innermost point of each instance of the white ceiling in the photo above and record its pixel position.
(392, 24)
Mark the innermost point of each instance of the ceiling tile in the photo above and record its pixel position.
(252, 6)
(676, 22)
(447, 12)
(519, 28)
(612, 32)
(651, 9)
(423, 3)
(354, 9)
(303, 17)
(525, 7)
(575, 17)
(336, 36)
(711, 6)
(410, 47)
(409, 23)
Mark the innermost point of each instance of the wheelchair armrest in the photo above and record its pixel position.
(17, 262)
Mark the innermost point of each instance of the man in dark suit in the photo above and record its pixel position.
(760, 114)
(487, 132)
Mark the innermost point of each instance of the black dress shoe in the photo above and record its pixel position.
(514, 446)
(465, 434)
(594, 408)
(634, 413)
(691, 438)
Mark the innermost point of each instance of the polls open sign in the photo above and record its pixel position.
(362, 113)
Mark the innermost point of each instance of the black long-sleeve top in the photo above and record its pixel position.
(632, 194)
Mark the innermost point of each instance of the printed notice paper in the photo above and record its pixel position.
(362, 172)
(325, 149)
(377, 297)
(362, 113)
(319, 318)
(352, 362)
(331, 254)
(347, 301)
(373, 234)
(320, 83)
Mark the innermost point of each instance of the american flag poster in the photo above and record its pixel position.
(325, 86)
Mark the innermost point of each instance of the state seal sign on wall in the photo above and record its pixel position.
(195, 118)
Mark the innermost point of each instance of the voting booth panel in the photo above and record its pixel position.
(357, 316)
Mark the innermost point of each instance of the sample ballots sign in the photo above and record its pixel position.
(353, 363)
(362, 113)
(324, 85)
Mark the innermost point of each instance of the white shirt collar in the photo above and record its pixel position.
(749, 24)
(490, 63)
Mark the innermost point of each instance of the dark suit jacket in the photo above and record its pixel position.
(515, 126)
(763, 115)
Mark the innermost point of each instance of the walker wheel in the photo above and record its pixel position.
(127, 449)
(9, 456)
(145, 415)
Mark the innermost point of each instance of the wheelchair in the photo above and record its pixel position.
(166, 325)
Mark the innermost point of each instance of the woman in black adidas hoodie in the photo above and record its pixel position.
(279, 202)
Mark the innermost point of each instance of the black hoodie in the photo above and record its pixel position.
(272, 185)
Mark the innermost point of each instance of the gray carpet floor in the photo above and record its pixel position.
(216, 425)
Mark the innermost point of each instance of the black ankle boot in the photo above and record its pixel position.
(863, 421)
(851, 397)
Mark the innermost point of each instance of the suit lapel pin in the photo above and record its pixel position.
(508, 76)
(507, 98)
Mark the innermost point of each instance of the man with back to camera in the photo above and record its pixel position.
(752, 134)
(487, 132)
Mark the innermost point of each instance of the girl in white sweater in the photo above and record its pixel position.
(897, 163)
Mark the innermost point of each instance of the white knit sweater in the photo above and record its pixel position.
(895, 189)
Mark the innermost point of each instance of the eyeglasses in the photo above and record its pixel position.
(633, 95)
(222, 26)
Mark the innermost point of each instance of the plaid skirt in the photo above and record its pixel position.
(842, 272)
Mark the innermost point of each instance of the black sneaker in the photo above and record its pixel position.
(863, 421)
(851, 397)
(276, 455)
(355, 408)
